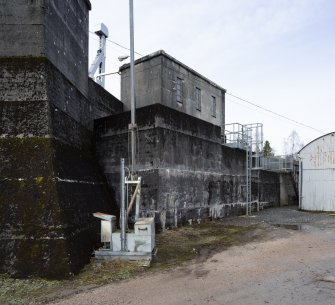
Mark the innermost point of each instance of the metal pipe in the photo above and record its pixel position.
(132, 86)
(137, 208)
(300, 183)
(122, 208)
(247, 178)
(133, 197)
(138, 199)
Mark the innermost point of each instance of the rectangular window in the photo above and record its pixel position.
(198, 98)
(214, 106)
(179, 90)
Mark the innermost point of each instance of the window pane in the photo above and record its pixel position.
(198, 98)
(179, 90)
(213, 106)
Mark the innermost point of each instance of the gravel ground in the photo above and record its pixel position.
(293, 264)
(283, 216)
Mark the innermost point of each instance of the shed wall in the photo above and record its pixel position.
(318, 174)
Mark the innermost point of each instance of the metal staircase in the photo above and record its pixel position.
(250, 138)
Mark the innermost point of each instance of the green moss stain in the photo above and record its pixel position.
(34, 251)
(39, 180)
(22, 185)
(26, 158)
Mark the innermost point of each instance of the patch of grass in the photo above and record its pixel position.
(24, 291)
(183, 244)
(175, 247)
(100, 272)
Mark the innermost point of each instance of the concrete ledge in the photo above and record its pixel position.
(114, 255)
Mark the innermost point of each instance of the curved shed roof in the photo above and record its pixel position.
(311, 142)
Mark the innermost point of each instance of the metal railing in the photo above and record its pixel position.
(278, 163)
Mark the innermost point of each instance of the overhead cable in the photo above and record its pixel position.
(275, 113)
(119, 45)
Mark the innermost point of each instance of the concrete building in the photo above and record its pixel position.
(187, 172)
(50, 182)
(62, 137)
(162, 79)
(317, 179)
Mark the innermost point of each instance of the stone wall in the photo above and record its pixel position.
(186, 172)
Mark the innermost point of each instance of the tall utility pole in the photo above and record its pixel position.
(132, 125)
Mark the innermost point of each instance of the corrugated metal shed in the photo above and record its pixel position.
(317, 168)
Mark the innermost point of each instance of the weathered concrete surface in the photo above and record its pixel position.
(57, 30)
(267, 184)
(288, 195)
(48, 192)
(38, 100)
(186, 172)
(49, 179)
(156, 76)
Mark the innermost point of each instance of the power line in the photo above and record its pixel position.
(256, 110)
(119, 45)
(237, 97)
(275, 113)
(109, 46)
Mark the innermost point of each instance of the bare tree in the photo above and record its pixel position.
(292, 144)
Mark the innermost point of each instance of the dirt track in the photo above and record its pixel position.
(294, 264)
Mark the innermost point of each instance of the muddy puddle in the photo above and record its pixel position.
(294, 227)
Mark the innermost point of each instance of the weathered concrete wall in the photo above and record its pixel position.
(288, 194)
(48, 191)
(50, 182)
(38, 100)
(23, 99)
(269, 187)
(101, 104)
(186, 172)
(54, 29)
(148, 83)
(156, 77)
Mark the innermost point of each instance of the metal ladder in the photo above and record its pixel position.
(248, 178)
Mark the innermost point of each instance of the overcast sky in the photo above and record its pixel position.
(278, 54)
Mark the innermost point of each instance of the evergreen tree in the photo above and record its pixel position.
(267, 149)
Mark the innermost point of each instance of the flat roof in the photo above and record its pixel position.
(89, 5)
(163, 53)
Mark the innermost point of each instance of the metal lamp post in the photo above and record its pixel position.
(132, 125)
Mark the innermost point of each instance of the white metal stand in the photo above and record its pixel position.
(100, 59)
